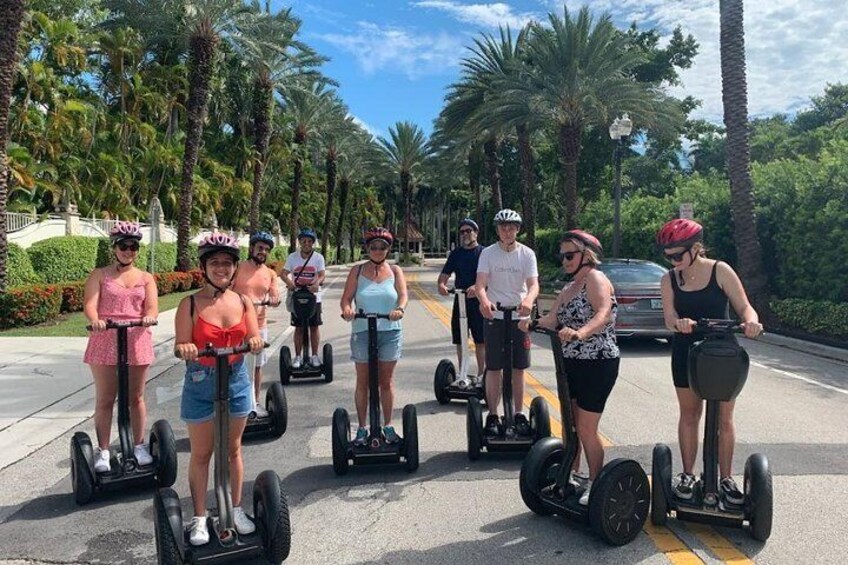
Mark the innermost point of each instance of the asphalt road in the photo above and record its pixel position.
(793, 409)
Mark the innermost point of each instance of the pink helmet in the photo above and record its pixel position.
(379, 233)
(681, 232)
(123, 231)
(218, 243)
(586, 239)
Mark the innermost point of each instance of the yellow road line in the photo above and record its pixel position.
(672, 546)
(720, 546)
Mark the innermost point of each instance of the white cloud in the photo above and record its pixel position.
(374, 131)
(387, 48)
(794, 47)
(487, 15)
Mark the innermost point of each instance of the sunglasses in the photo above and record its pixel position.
(567, 256)
(128, 246)
(676, 257)
(378, 247)
(467, 230)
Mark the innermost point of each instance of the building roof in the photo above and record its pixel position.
(415, 234)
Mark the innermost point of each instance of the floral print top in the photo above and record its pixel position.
(575, 314)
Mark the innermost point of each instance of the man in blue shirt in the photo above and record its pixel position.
(462, 262)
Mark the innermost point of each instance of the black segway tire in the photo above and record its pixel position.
(410, 437)
(341, 441)
(285, 365)
(166, 507)
(163, 447)
(540, 419)
(82, 468)
(619, 501)
(445, 374)
(277, 406)
(660, 477)
(759, 496)
(538, 471)
(328, 363)
(271, 514)
(474, 429)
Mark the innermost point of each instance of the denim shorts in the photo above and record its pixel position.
(389, 346)
(199, 392)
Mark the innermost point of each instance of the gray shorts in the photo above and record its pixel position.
(262, 358)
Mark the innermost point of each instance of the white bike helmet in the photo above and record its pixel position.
(507, 216)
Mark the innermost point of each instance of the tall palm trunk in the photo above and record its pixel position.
(569, 154)
(11, 16)
(528, 181)
(297, 181)
(344, 189)
(474, 167)
(407, 216)
(738, 155)
(330, 169)
(201, 53)
(493, 166)
(262, 99)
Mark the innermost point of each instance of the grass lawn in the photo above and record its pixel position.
(73, 325)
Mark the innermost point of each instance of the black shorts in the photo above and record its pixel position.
(475, 320)
(314, 321)
(590, 381)
(680, 344)
(493, 335)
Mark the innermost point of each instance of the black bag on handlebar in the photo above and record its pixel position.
(718, 368)
(303, 304)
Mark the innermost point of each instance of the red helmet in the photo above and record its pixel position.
(586, 239)
(679, 233)
(379, 233)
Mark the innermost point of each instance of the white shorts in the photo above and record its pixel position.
(262, 358)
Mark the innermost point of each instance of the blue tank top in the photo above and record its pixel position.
(380, 298)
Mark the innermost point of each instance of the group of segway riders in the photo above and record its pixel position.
(495, 291)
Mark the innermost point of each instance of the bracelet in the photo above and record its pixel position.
(402, 311)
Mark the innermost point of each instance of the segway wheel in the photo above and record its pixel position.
(540, 419)
(410, 437)
(82, 468)
(163, 447)
(660, 481)
(759, 496)
(167, 509)
(474, 426)
(271, 512)
(445, 374)
(277, 406)
(328, 363)
(341, 441)
(619, 501)
(539, 470)
(285, 365)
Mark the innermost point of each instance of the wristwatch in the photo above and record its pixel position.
(402, 311)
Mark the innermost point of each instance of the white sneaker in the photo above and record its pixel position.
(101, 461)
(576, 478)
(244, 525)
(260, 411)
(298, 361)
(199, 532)
(315, 361)
(584, 498)
(142, 454)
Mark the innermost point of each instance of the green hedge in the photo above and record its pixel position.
(19, 267)
(63, 259)
(813, 316)
(31, 304)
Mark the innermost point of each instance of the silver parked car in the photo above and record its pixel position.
(637, 290)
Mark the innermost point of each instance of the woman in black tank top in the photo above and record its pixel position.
(696, 287)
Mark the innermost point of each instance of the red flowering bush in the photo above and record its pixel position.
(30, 304)
(73, 295)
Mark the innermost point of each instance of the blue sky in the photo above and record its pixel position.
(395, 58)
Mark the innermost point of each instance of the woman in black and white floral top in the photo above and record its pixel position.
(585, 313)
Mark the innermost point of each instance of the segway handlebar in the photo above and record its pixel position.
(535, 327)
(500, 307)
(719, 325)
(458, 290)
(114, 324)
(210, 351)
(363, 314)
(263, 303)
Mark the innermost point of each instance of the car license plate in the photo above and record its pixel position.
(656, 303)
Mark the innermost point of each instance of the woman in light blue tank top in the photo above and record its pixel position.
(379, 288)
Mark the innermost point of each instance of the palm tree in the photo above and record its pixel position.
(11, 18)
(735, 101)
(406, 152)
(359, 153)
(335, 137)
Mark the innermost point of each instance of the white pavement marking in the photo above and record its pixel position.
(800, 378)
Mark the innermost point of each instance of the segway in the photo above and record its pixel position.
(507, 438)
(272, 538)
(125, 470)
(620, 496)
(277, 420)
(718, 369)
(376, 450)
(446, 385)
(303, 306)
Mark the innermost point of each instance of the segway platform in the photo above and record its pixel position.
(447, 385)
(303, 306)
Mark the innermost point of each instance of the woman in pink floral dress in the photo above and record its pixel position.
(120, 291)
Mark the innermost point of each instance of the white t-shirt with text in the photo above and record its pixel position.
(508, 273)
(294, 265)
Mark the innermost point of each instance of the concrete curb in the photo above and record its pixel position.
(820, 350)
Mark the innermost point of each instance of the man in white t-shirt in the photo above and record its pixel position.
(306, 268)
(507, 274)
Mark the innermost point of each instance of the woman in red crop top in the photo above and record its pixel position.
(223, 318)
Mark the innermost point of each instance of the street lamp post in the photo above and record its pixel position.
(155, 215)
(619, 132)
